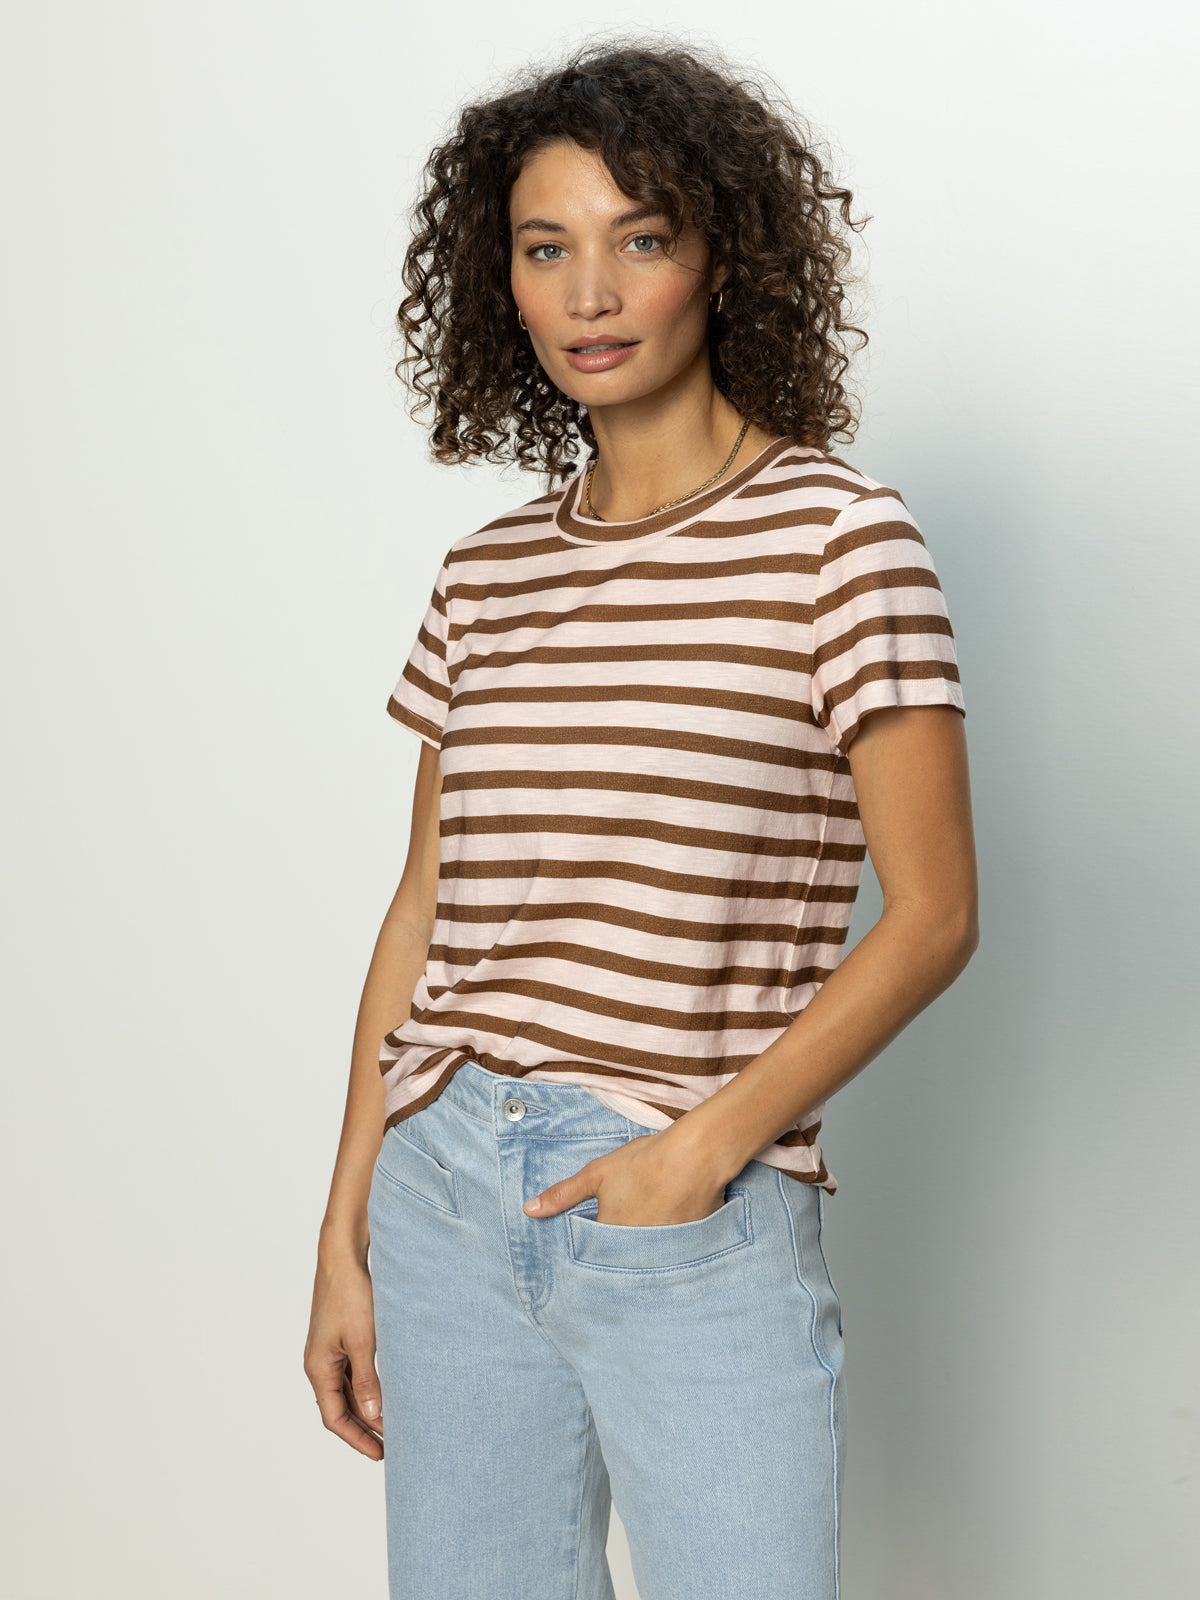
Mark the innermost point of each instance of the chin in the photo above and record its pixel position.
(607, 388)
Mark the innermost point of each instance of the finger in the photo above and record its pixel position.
(559, 1196)
(372, 1430)
(366, 1437)
(362, 1388)
(336, 1413)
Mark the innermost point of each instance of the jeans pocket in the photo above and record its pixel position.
(410, 1166)
(664, 1248)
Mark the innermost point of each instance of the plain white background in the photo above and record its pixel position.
(222, 531)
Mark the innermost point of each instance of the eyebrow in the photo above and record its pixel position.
(545, 225)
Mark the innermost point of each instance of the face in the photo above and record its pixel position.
(587, 263)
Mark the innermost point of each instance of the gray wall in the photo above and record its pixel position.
(222, 533)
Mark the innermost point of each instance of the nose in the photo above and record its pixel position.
(590, 291)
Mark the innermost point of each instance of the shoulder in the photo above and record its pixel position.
(806, 487)
(820, 477)
(515, 532)
(858, 527)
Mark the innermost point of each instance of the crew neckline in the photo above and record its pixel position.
(586, 530)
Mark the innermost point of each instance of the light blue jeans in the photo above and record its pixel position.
(537, 1371)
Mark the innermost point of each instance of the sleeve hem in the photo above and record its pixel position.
(941, 693)
(429, 731)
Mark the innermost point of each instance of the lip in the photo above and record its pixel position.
(599, 361)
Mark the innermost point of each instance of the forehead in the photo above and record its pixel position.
(565, 186)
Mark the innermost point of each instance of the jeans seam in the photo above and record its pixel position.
(818, 1351)
(824, 1259)
(419, 1194)
(582, 1488)
(484, 1122)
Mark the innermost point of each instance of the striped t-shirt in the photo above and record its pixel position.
(650, 842)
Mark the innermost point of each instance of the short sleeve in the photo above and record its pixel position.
(421, 697)
(881, 630)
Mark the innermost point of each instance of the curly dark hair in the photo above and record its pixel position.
(678, 127)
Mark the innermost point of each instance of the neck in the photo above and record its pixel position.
(649, 456)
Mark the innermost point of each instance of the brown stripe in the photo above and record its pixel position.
(522, 517)
(393, 1039)
(646, 1016)
(597, 913)
(871, 582)
(742, 609)
(606, 960)
(505, 551)
(800, 481)
(596, 532)
(872, 533)
(541, 738)
(431, 642)
(883, 492)
(429, 686)
(455, 1057)
(650, 694)
(792, 661)
(821, 1176)
(924, 622)
(892, 670)
(786, 517)
(411, 720)
(665, 832)
(677, 573)
(632, 872)
(643, 783)
(647, 1061)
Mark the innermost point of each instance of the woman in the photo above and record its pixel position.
(665, 707)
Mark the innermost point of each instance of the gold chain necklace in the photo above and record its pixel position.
(587, 486)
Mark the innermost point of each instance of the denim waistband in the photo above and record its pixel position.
(566, 1109)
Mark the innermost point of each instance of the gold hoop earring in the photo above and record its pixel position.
(521, 320)
(720, 299)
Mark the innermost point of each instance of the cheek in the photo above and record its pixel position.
(670, 304)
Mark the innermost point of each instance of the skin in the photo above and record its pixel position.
(339, 1353)
(662, 426)
(662, 429)
(909, 765)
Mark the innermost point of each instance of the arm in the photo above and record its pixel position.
(341, 1331)
(909, 765)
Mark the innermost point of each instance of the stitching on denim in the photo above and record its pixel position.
(798, 1256)
(824, 1259)
(418, 1144)
(399, 1183)
(681, 1266)
(590, 1443)
(623, 1128)
(483, 1122)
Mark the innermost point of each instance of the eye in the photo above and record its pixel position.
(656, 238)
(534, 255)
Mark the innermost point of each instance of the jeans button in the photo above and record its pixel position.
(514, 1109)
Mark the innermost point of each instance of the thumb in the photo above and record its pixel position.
(559, 1196)
(368, 1398)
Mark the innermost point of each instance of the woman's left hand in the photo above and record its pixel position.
(649, 1182)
